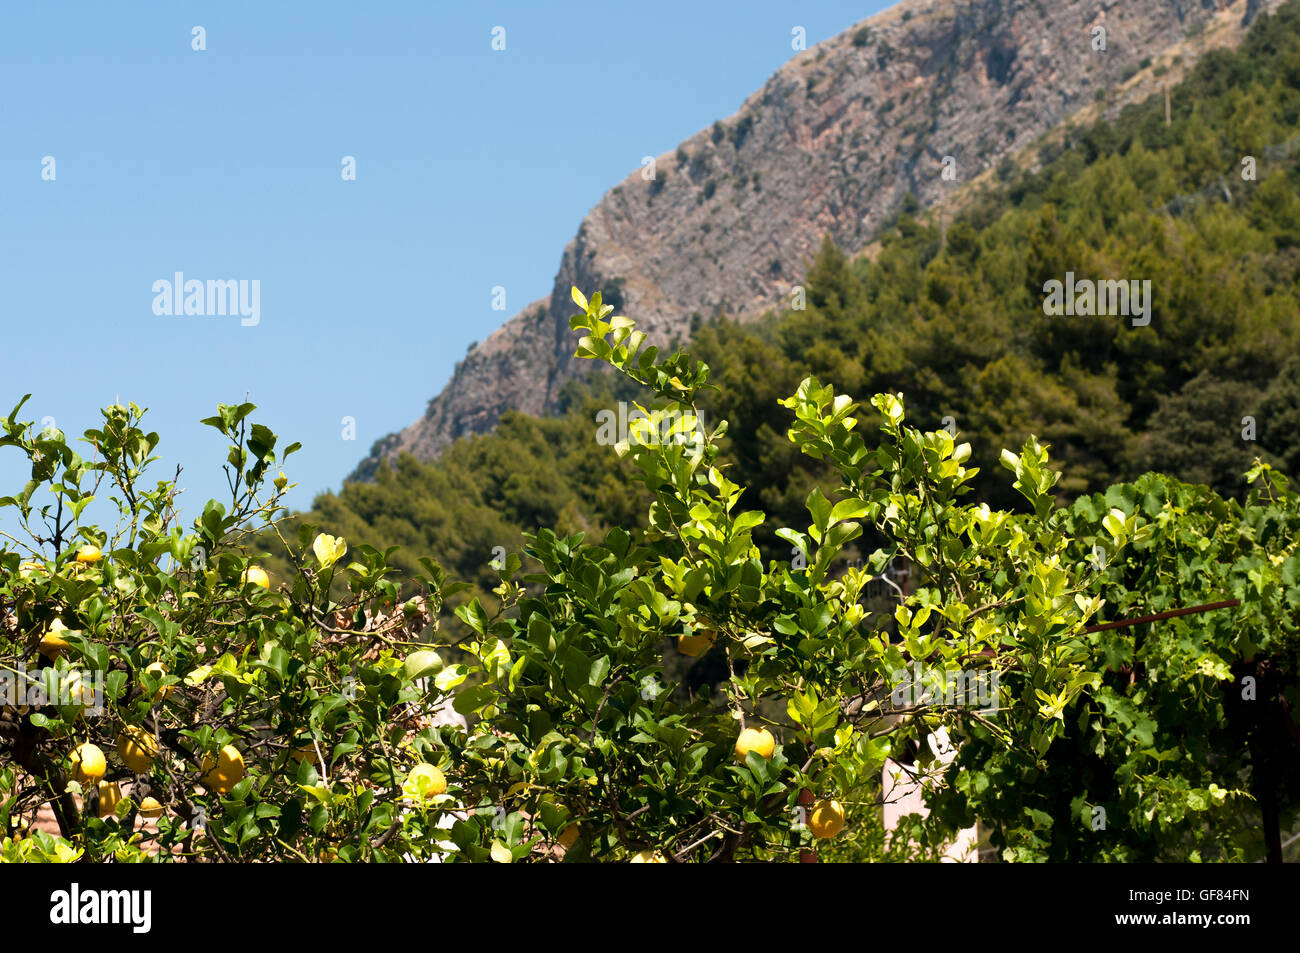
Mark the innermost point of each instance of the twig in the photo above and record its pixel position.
(1125, 623)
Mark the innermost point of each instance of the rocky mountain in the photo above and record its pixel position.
(830, 145)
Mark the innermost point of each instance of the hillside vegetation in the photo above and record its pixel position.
(951, 315)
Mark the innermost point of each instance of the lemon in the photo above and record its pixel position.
(158, 670)
(137, 749)
(758, 740)
(700, 641)
(89, 554)
(88, 763)
(225, 772)
(424, 781)
(257, 576)
(826, 819)
(52, 643)
(648, 857)
(421, 663)
(109, 796)
(77, 691)
(151, 807)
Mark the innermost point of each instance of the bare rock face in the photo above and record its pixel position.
(829, 146)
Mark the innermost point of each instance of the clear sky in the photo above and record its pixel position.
(474, 168)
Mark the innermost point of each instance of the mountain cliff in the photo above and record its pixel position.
(832, 144)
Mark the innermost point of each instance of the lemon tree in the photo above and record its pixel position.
(576, 722)
(166, 698)
(170, 698)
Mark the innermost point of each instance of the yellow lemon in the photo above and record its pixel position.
(88, 763)
(257, 576)
(758, 740)
(109, 796)
(77, 691)
(648, 857)
(826, 819)
(424, 781)
(158, 670)
(89, 554)
(700, 641)
(137, 749)
(52, 642)
(225, 772)
(151, 807)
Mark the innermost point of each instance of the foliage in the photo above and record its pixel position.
(174, 641)
(583, 745)
(951, 316)
(577, 723)
(562, 657)
(1189, 735)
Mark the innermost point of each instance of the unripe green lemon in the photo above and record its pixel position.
(422, 663)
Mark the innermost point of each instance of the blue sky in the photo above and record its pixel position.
(473, 169)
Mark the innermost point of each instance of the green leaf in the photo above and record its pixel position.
(820, 509)
(849, 510)
(472, 699)
(450, 677)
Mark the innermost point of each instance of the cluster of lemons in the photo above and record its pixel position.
(826, 819)
(136, 747)
(89, 766)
